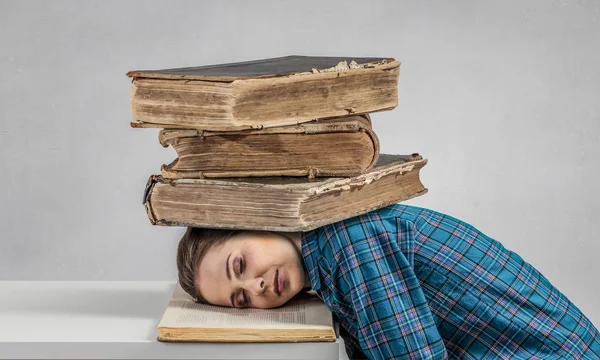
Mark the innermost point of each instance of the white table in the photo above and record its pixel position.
(110, 320)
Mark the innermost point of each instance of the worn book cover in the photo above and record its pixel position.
(343, 146)
(303, 319)
(282, 203)
(263, 93)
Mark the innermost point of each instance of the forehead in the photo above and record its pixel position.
(211, 275)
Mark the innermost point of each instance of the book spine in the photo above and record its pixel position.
(152, 180)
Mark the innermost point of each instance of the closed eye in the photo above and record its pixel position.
(239, 266)
(242, 267)
(244, 299)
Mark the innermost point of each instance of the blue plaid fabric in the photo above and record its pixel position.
(410, 283)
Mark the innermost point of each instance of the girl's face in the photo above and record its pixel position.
(253, 269)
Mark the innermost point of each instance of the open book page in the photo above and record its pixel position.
(182, 311)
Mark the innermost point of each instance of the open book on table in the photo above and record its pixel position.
(304, 318)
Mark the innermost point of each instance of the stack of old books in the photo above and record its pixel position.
(282, 144)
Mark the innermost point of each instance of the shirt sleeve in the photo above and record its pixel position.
(392, 317)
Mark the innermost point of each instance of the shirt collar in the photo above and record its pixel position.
(310, 255)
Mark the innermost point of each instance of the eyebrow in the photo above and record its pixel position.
(229, 277)
(227, 267)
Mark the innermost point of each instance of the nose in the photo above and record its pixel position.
(255, 286)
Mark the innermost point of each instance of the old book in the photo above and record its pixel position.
(282, 203)
(263, 93)
(302, 319)
(344, 146)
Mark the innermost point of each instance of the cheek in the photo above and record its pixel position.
(269, 303)
(269, 256)
(296, 277)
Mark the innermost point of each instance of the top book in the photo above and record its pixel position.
(263, 93)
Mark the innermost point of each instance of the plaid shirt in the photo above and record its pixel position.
(411, 283)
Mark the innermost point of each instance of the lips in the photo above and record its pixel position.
(277, 283)
(280, 283)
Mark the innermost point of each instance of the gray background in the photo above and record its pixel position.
(501, 97)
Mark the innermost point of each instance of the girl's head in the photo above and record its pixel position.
(241, 268)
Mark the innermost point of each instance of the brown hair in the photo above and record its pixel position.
(191, 250)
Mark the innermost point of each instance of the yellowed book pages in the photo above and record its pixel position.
(282, 203)
(336, 147)
(263, 93)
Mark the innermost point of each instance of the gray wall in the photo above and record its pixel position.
(501, 97)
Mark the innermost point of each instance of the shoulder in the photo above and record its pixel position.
(425, 220)
(378, 225)
(402, 211)
(383, 217)
(384, 224)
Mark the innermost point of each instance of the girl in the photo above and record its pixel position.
(404, 283)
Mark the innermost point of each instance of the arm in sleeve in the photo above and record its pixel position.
(392, 316)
